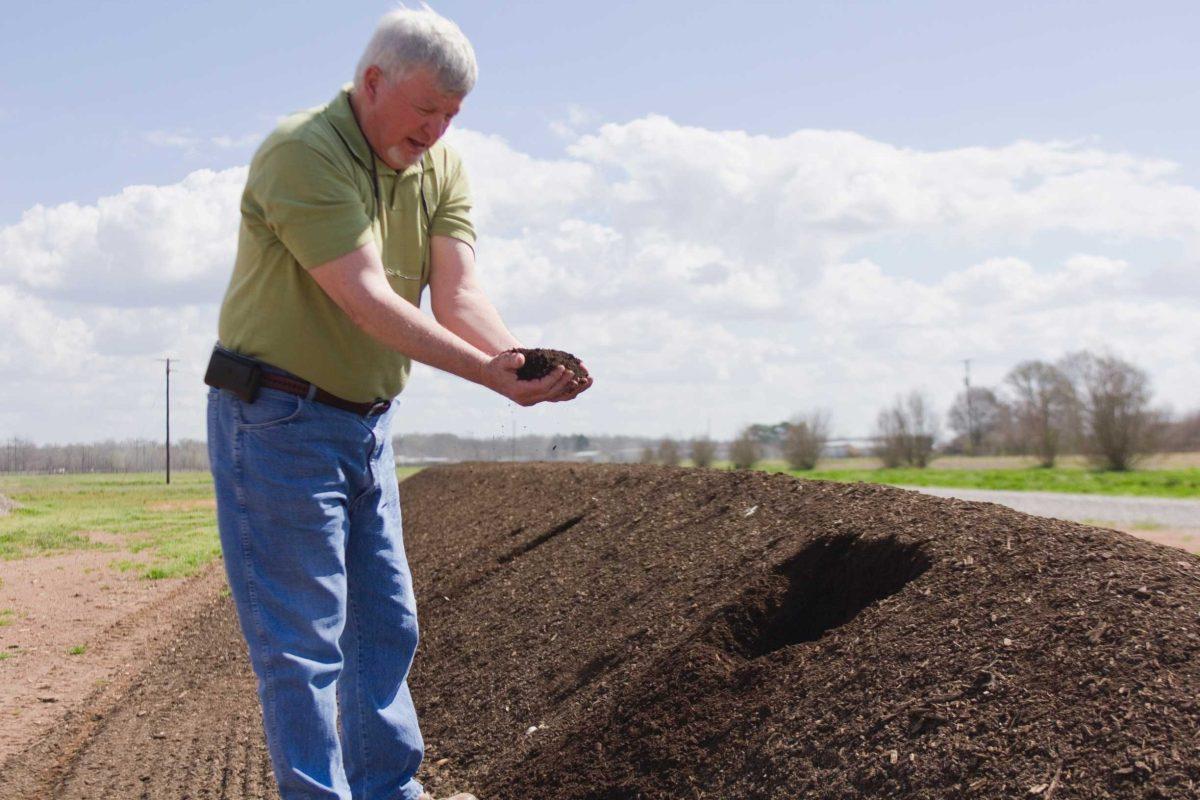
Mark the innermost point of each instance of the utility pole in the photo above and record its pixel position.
(168, 407)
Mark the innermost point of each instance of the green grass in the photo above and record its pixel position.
(77, 650)
(1176, 483)
(172, 527)
(6, 616)
(171, 530)
(7, 654)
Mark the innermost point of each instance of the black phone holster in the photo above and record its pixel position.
(239, 374)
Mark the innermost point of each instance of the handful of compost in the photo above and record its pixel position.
(540, 362)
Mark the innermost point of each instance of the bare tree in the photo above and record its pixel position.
(1043, 404)
(668, 452)
(905, 431)
(1114, 398)
(976, 416)
(648, 456)
(1183, 434)
(745, 450)
(890, 435)
(804, 439)
(703, 451)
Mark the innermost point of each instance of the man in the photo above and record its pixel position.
(349, 211)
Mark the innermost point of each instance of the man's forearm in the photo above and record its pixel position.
(399, 325)
(473, 318)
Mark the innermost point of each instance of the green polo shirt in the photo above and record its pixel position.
(308, 200)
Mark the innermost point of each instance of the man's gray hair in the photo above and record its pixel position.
(407, 39)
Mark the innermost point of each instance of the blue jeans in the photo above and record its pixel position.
(309, 514)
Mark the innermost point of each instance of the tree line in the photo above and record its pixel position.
(129, 455)
(1094, 404)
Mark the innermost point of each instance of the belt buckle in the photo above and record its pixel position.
(378, 407)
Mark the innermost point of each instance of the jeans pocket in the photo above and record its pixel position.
(272, 408)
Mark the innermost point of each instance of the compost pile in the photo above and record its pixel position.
(628, 632)
(690, 633)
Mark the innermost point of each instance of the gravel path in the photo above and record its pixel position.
(1090, 508)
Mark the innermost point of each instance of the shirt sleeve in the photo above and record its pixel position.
(453, 214)
(311, 204)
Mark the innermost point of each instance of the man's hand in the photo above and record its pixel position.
(500, 375)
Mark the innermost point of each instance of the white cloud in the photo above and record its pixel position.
(707, 277)
(575, 119)
(144, 246)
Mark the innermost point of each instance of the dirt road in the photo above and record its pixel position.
(1157, 519)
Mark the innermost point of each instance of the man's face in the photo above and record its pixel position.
(406, 116)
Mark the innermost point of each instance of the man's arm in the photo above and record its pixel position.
(357, 283)
(458, 301)
(460, 305)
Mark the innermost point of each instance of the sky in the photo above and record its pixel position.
(732, 213)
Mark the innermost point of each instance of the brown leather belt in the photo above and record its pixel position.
(302, 388)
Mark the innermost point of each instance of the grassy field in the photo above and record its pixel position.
(1174, 483)
(1153, 463)
(173, 527)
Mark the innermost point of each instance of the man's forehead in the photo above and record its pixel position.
(423, 86)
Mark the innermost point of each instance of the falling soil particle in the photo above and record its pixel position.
(540, 362)
(844, 641)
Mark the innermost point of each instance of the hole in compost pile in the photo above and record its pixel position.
(821, 588)
(539, 540)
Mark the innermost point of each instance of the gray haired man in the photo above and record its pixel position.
(350, 211)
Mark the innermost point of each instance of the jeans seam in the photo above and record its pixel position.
(372, 483)
(358, 683)
(251, 596)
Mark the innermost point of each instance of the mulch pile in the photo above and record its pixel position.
(628, 632)
(617, 632)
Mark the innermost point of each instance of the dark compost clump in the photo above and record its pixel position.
(539, 362)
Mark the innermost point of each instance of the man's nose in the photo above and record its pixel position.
(434, 128)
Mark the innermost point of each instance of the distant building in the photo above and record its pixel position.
(848, 447)
(416, 461)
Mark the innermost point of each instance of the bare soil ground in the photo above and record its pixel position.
(74, 625)
(605, 633)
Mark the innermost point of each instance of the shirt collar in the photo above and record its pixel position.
(341, 116)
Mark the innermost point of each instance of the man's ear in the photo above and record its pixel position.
(371, 80)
